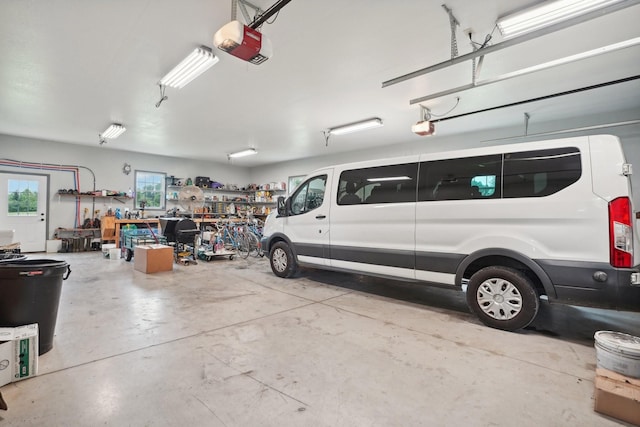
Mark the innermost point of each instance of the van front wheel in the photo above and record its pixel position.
(282, 262)
(503, 298)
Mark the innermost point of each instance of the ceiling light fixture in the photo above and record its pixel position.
(113, 131)
(243, 153)
(357, 126)
(546, 14)
(198, 61)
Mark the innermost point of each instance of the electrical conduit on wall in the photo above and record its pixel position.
(75, 170)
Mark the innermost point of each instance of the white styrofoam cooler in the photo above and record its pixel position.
(106, 247)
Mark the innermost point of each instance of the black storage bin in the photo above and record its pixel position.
(30, 293)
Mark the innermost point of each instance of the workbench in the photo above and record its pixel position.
(77, 239)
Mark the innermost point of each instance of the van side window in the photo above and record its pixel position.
(460, 179)
(309, 195)
(540, 173)
(380, 184)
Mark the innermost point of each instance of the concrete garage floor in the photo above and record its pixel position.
(227, 343)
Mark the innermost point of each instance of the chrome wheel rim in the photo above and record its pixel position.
(279, 259)
(499, 299)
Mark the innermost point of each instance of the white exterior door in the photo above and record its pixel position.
(23, 208)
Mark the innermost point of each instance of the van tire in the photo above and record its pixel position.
(503, 298)
(283, 264)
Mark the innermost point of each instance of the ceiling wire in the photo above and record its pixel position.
(444, 114)
(263, 17)
(274, 19)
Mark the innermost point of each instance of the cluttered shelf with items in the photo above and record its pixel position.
(210, 199)
(204, 201)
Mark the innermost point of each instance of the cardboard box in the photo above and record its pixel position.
(617, 395)
(153, 258)
(19, 354)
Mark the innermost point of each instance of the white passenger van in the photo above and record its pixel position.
(511, 222)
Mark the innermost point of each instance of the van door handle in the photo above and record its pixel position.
(321, 216)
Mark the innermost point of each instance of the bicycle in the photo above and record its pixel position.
(232, 237)
(254, 236)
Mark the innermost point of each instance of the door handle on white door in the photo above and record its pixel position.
(321, 216)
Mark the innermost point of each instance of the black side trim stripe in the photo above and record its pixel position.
(425, 261)
(310, 249)
(440, 262)
(386, 257)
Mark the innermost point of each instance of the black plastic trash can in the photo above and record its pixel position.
(30, 293)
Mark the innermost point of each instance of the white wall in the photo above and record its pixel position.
(106, 164)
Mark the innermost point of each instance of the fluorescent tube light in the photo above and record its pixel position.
(545, 14)
(357, 126)
(243, 153)
(198, 61)
(113, 131)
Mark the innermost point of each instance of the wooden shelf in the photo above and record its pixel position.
(89, 196)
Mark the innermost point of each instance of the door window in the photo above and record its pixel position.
(309, 196)
(22, 197)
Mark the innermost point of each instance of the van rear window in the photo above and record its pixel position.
(540, 173)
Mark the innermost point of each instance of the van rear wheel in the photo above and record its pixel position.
(282, 261)
(503, 298)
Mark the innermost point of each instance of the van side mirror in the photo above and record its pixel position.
(282, 206)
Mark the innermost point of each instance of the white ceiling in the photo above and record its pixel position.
(68, 68)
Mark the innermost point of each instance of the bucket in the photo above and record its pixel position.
(114, 253)
(618, 352)
(106, 247)
(30, 293)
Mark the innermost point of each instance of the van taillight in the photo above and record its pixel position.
(620, 233)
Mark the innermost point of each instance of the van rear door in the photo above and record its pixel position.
(611, 179)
